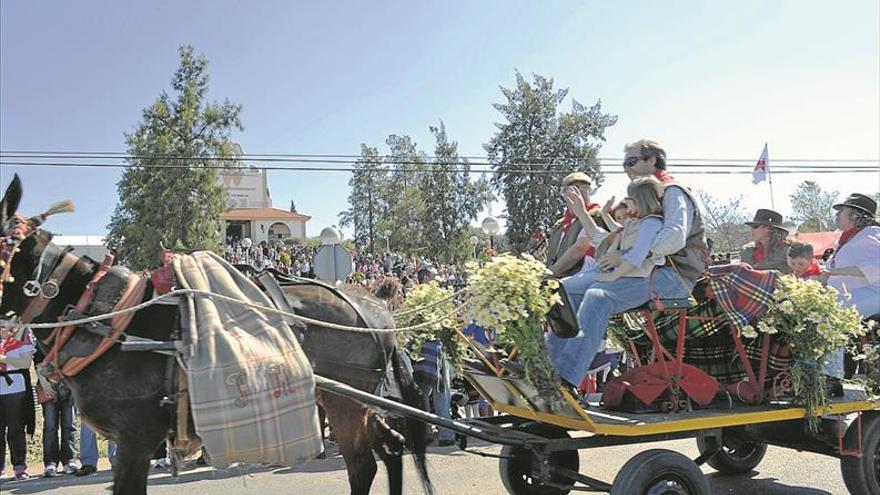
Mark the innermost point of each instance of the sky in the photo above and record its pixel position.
(707, 79)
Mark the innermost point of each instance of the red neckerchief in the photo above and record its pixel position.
(568, 217)
(10, 344)
(847, 236)
(663, 176)
(812, 271)
(759, 253)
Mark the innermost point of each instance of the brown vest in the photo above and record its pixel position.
(693, 259)
(558, 243)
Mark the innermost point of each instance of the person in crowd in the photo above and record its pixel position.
(88, 450)
(681, 239)
(566, 247)
(57, 403)
(16, 399)
(802, 261)
(769, 247)
(632, 244)
(854, 268)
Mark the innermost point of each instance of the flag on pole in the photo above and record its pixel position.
(762, 167)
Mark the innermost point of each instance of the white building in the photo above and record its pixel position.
(264, 224)
(92, 246)
(250, 211)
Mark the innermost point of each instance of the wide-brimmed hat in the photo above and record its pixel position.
(859, 202)
(769, 218)
(576, 177)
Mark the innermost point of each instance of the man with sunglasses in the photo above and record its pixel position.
(681, 239)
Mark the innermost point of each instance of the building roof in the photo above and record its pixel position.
(262, 213)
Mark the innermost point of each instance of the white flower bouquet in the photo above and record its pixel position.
(810, 319)
(512, 296)
(425, 303)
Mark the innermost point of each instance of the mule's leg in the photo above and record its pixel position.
(132, 468)
(348, 420)
(389, 445)
(394, 466)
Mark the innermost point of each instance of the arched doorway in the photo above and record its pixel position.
(279, 231)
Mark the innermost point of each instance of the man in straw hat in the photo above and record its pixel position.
(567, 246)
(769, 247)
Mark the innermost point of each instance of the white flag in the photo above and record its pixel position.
(762, 167)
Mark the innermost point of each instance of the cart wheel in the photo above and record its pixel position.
(660, 472)
(862, 475)
(734, 456)
(516, 464)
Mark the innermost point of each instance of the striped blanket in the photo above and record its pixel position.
(252, 390)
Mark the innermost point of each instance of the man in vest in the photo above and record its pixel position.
(566, 248)
(681, 240)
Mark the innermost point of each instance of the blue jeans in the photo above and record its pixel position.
(58, 415)
(572, 357)
(88, 446)
(576, 285)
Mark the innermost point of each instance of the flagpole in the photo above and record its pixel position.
(770, 180)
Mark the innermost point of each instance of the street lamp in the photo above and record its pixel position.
(330, 235)
(474, 241)
(491, 227)
(387, 234)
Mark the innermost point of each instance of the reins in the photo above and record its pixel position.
(202, 293)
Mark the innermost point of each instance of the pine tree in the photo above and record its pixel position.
(536, 147)
(452, 200)
(366, 201)
(170, 195)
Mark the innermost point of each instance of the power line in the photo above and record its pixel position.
(347, 158)
(471, 171)
(387, 161)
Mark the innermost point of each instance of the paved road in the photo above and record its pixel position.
(783, 472)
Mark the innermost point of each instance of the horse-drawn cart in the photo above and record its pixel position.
(541, 442)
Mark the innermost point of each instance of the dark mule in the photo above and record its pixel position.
(121, 394)
(366, 361)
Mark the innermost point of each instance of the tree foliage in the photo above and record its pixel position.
(170, 194)
(811, 207)
(725, 222)
(367, 202)
(535, 147)
(422, 207)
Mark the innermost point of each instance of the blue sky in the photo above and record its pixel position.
(708, 79)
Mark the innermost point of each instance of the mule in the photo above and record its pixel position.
(124, 395)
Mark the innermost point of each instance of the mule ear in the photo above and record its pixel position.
(11, 199)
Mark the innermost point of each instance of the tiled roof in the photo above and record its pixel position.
(262, 213)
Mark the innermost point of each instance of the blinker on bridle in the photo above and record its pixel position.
(17, 230)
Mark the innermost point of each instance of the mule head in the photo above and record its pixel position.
(21, 242)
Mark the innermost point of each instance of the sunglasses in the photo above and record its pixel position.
(631, 161)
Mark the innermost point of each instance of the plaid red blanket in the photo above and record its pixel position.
(742, 293)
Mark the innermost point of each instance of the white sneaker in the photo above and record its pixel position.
(51, 471)
(70, 468)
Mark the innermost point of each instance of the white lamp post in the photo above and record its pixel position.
(474, 241)
(246, 242)
(491, 227)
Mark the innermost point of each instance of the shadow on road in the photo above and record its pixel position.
(752, 485)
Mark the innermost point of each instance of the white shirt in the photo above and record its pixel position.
(25, 350)
(863, 252)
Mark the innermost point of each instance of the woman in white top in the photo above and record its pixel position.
(854, 270)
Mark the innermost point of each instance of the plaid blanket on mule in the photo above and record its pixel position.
(251, 386)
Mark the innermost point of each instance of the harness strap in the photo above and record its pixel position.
(38, 304)
(133, 295)
(61, 335)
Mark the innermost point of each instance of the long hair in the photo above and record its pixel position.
(647, 194)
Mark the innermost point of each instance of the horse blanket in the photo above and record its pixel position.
(251, 387)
